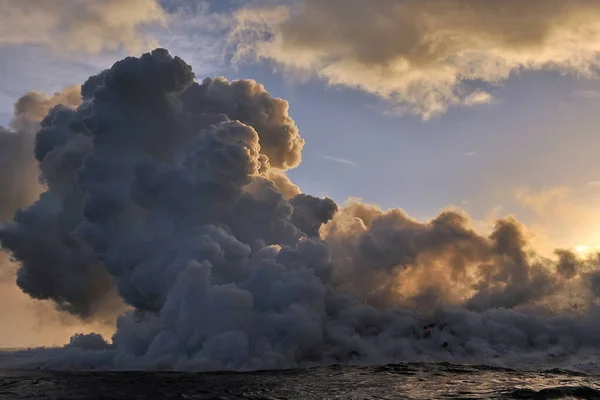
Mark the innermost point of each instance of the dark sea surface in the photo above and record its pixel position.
(399, 381)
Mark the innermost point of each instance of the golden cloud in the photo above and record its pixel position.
(426, 55)
(80, 25)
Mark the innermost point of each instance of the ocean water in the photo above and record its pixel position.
(398, 381)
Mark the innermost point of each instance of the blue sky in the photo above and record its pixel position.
(538, 134)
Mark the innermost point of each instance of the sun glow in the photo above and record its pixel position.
(586, 249)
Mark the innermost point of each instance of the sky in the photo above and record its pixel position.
(401, 103)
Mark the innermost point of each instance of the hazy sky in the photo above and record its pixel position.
(401, 103)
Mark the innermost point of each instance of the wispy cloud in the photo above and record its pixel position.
(340, 160)
(593, 183)
(587, 94)
(477, 98)
(196, 32)
(471, 153)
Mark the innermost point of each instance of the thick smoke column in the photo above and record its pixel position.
(173, 193)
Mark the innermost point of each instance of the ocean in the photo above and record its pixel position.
(425, 381)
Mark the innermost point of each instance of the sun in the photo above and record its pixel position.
(586, 249)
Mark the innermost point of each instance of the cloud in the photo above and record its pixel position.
(340, 160)
(19, 179)
(478, 98)
(80, 25)
(423, 56)
(172, 194)
(587, 94)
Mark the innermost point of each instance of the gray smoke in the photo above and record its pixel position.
(43, 150)
(173, 193)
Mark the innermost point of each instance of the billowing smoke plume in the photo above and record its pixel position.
(173, 193)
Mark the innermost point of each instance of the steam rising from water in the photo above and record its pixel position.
(173, 194)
